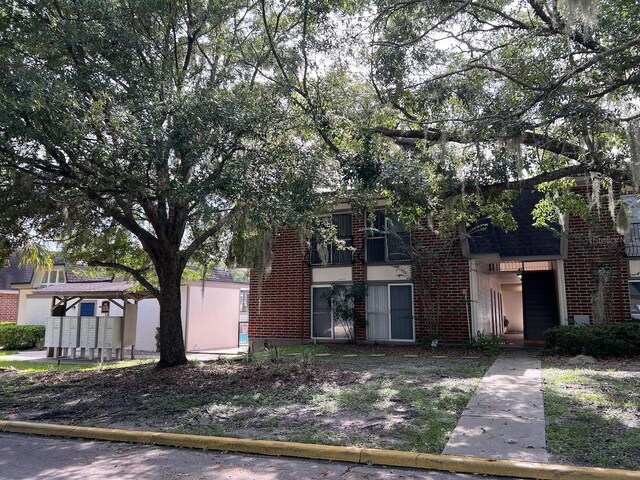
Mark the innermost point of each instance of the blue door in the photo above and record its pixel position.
(87, 309)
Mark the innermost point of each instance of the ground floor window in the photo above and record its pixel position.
(634, 297)
(390, 312)
(323, 325)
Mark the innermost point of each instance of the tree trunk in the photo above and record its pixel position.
(172, 350)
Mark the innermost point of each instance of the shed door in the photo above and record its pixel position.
(87, 309)
(540, 303)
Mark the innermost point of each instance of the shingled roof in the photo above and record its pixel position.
(223, 275)
(13, 273)
(525, 241)
(84, 275)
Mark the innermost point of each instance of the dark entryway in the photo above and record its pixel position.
(540, 303)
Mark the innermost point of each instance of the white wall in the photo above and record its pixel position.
(213, 314)
(33, 311)
(512, 302)
(485, 283)
(148, 321)
(213, 318)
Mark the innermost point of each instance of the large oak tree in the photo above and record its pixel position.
(444, 105)
(135, 134)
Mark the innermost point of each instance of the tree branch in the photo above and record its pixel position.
(544, 142)
(135, 273)
(204, 236)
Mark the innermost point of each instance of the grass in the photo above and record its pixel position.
(384, 402)
(32, 366)
(7, 352)
(593, 413)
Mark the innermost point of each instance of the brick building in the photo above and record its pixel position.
(421, 285)
(11, 275)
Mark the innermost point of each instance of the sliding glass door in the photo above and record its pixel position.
(401, 312)
(322, 321)
(390, 312)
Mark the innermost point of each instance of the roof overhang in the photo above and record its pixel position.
(93, 290)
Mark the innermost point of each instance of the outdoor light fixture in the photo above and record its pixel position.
(520, 272)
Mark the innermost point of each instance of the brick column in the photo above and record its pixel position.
(359, 269)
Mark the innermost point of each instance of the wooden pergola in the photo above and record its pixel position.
(66, 296)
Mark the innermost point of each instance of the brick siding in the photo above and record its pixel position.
(593, 246)
(280, 311)
(9, 307)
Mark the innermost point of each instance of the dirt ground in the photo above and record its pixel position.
(393, 401)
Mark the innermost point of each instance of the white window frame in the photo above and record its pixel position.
(630, 282)
(333, 323)
(384, 236)
(48, 275)
(330, 245)
(413, 313)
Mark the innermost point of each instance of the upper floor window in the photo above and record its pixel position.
(388, 239)
(52, 277)
(632, 240)
(338, 251)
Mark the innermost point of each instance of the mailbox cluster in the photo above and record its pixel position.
(85, 336)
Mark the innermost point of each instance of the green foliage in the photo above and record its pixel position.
(21, 337)
(274, 355)
(597, 340)
(343, 300)
(559, 200)
(488, 344)
(137, 134)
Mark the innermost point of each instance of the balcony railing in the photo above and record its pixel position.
(632, 240)
(331, 254)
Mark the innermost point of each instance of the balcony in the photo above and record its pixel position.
(330, 253)
(632, 240)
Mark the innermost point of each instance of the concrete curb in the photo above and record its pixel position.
(393, 458)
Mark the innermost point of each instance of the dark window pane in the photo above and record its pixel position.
(401, 312)
(398, 246)
(634, 292)
(315, 255)
(341, 255)
(375, 250)
(321, 313)
(342, 223)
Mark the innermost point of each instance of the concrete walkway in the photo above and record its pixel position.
(41, 356)
(505, 417)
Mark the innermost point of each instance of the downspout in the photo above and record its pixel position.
(620, 301)
(302, 285)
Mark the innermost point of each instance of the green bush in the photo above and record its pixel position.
(21, 337)
(600, 340)
(488, 344)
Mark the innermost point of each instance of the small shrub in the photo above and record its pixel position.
(307, 358)
(488, 344)
(274, 355)
(21, 337)
(248, 357)
(598, 340)
(430, 341)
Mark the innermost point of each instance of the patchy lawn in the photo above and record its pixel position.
(33, 366)
(593, 412)
(391, 401)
